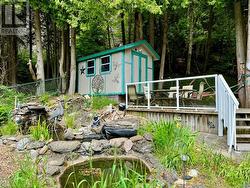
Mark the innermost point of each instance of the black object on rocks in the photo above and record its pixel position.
(122, 106)
(111, 132)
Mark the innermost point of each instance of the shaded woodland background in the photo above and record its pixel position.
(193, 37)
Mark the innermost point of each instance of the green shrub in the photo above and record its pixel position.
(7, 102)
(40, 132)
(99, 102)
(10, 128)
(26, 176)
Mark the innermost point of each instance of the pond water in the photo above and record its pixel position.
(105, 172)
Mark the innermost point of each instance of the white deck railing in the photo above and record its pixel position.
(222, 99)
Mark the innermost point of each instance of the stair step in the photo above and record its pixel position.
(243, 111)
(243, 147)
(242, 127)
(243, 136)
(242, 119)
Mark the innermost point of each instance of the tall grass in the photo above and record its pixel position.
(26, 176)
(69, 120)
(99, 102)
(173, 140)
(10, 128)
(118, 176)
(40, 132)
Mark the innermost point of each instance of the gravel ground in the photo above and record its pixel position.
(8, 164)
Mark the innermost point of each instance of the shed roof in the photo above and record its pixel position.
(124, 47)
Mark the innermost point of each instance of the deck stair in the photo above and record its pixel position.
(243, 129)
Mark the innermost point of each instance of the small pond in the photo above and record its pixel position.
(105, 172)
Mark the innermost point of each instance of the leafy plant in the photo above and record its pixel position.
(99, 102)
(9, 129)
(40, 132)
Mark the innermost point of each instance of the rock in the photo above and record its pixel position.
(99, 145)
(97, 129)
(21, 144)
(34, 154)
(64, 146)
(148, 137)
(58, 161)
(68, 134)
(85, 130)
(49, 141)
(136, 138)
(12, 138)
(52, 170)
(5, 141)
(43, 150)
(180, 182)
(1, 142)
(193, 173)
(128, 144)
(117, 142)
(35, 145)
(143, 147)
(85, 147)
(79, 137)
(90, 137)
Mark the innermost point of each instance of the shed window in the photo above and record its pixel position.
(90, 67)
(105, 64)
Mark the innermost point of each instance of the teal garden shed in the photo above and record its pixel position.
(107, 72)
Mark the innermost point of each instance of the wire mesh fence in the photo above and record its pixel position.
(52, 85)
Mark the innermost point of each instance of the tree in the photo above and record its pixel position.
(190, 38)
(247, 70)
(240, 51)
(39, 65)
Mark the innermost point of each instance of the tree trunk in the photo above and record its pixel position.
(109, 38)
(129, 28)
(61, 63)
(123, 29)
(72, 83)
(190, 41)
(164, 47)
(151, 32)
(240, 51)
(209, 37)
(140, 26)
(39, 64)
(12, 69)
(247, 83)
(138, 30)
(48, 53)
(67, 54)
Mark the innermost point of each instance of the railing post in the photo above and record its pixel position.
(216, 93)
(126, 89)
(177, 95)
(149, 96)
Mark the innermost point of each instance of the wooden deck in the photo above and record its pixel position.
(198, 120)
